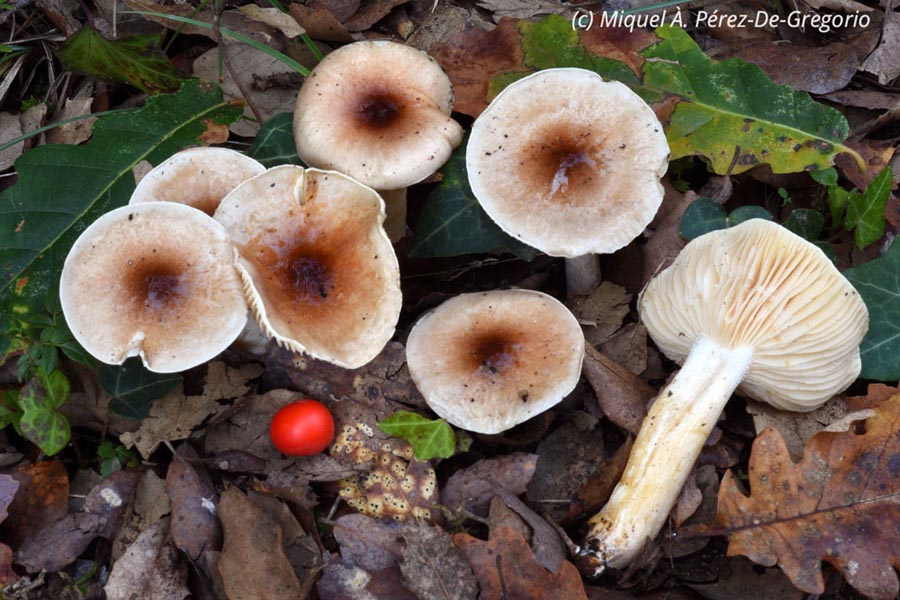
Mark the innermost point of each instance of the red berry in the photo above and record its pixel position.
(302, 428)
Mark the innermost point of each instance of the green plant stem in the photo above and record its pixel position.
(284, 58)
(312, 46)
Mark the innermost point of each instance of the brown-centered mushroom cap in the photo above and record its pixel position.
(156, 280)
(568, 163)
(759, 285)
(378, 111)
(491, 360)
(320, 272)
(198, 177)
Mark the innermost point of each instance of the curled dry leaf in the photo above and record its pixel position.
(471, 488)
(195, 526)
(41, 499)
(838, 504)
(506, 568)
(621, 394)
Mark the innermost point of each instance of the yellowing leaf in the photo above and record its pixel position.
(838, 505)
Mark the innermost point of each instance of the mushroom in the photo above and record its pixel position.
(155, 280)
(378, 111)
(754, 306)
(320, 273)
(488, 361)
(569, 164)
(198, 177)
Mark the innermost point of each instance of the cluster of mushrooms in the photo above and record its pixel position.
(562, 160)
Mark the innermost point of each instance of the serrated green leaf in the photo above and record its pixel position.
(274, 144)
(806, 223)
(452, 221)
(40, 422)
(865, 211)
(133, 388)
(732, 104)
(429, 439)
(134, 60)
(62, 189)
(705, 214)
(878, 283)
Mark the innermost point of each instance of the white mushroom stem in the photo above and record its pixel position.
(670, 439)
(582, 274)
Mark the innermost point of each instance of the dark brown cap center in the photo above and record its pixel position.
(559, 162)
(378, 110)
(494, 355)
(158, 284)
(308, 277)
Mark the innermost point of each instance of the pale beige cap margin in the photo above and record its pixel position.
(761, 286)
(378, 111)
(113, 308)
(318, 269)
(488, 361)
(199, 177)
(568, 163)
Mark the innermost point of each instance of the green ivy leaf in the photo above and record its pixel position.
(134, 60)
(733, 104)
(826, 177)
(865, 211)
(63, 188)
(452, 221)
(429, 439)
(705, 214)
(878, 283)
(41, 423)
(133, 388)
(274, 143)
(806, 223)
(10, 413)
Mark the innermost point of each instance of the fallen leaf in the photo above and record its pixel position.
(342, 580)
(740, 579)
(60, 543)
(10, 127)
(471, 489)
(149, 569)
(273, 17)
(445, 22)
(666, 242)
(595, 492)
(601, 312)
(370, 13)
(500, 515)
(253, 564)
(111, 500)
(8, 487)
(506, 568)
(628, 348)
(837, 505)
(41, 499)
(885, 60)
(371, 544)
(622, 395)
(432, 566)
(567, 457)
(151, 503)
(522, 9)
(319, 23)
(548, 547)
(230, 19)
(174, 416)
(195, 527)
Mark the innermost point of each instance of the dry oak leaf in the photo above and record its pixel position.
(838, 504)
(506, 568)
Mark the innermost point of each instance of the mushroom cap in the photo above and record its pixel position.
(378, 111)
(488, 361)
(318, 268)
(156, 280)
(199, 177)
(761, 286)
(568, 163)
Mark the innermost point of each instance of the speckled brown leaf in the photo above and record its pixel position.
(42, 498)
(253, 564)
(342, 580)
(149, 569)
(506, 568)
(471, 488)
(59, 543)
(601, 312)
(839, 505)
(195, 527)
(111, 499)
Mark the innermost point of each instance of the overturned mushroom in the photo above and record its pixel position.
(156, 280)
(491, 360)
(569, 164)
(198, 177)
(321, 274)
(754, 306)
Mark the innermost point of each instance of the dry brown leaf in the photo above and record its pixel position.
(444, 23)
(506, 568)
(78, 131)
(370, 13)
(253, 564)
(837, 505)
(42, 498)
(273, 17)
(546, 543)
(149, 569)
(796, 428)
(885, 60)
(471, 488)
(10, 127)
(341, 9)
(621, 394)
(591, 496)
(522, 9)
(319, 23)
(601, 312)
(740, 579)
(666, 242)
(195, 527)
(150, 505)
(8, 487)
(500, 515)
(342, 580)
(628, 348)
(174, 416)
